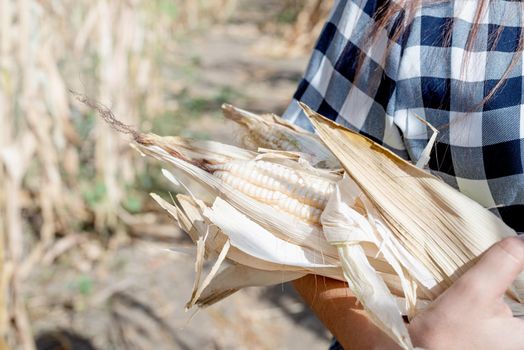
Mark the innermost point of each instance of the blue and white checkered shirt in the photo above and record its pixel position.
(481, 152)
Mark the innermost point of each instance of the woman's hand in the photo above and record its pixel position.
(469, 315)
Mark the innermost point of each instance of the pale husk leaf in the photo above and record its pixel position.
(235, 277)
(442, 228)
(256, 241)
(373, 293)
(348, 230)
(284, 136)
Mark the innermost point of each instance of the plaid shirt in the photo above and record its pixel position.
(480, 153)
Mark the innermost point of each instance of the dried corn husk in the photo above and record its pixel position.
(236, 276)
(369, 232)
(443, 228)
(272, 132)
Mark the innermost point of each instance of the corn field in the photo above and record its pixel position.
(63, 173)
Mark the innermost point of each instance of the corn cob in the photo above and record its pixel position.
(271, 132)
(297, 193)
(296, 190)
(255, 186)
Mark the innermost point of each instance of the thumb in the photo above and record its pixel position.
(497, 268)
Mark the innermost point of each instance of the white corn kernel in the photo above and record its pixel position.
(297, 193)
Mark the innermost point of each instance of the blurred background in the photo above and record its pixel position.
(83, 248)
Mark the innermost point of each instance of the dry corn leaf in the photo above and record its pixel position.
(261, 271)
(210, 276)
(235, 277)
(373, 293)
(348, 230)
(192, 220)
(258, 242)
(442, 228)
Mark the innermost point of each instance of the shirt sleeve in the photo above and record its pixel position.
(364, 102)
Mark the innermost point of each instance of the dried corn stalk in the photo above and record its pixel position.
(274, 216)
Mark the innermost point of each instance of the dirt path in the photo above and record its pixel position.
(134, 297)
(137, 298)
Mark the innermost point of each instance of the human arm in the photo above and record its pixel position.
(339, 311)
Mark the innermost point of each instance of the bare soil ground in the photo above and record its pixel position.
(133, 296)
